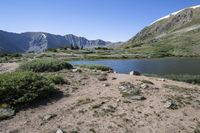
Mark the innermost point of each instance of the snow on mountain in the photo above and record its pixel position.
(174, 13)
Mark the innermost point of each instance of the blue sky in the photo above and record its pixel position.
(112, 20)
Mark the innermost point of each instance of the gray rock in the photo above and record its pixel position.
(6, 113)
(137, 98)
(109, 109)
(106, 84)
(144, 86)
(49, 116)
(59, 131)
(76, 70)
(171, 104)
(134, 73)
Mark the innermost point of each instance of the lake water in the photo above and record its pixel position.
(150, 66)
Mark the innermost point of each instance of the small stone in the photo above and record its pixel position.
(106, 85)
(76, 70)
(109, 109)
(113, 78)
(102, 78)
(171, 105)
(49, 116)
(98, 105)
(118, 100)
(144, 86)
(162, 80)
(59, 131)
(137, 98)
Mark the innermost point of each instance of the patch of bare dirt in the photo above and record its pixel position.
(113, 106)
(8, 67)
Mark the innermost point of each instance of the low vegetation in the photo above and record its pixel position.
(56, 79)
(197, 129)
(23, 87)
(96, 67)
(48, 65)
(193, 79)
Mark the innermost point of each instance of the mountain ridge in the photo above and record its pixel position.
(178, 34)
(40, 41)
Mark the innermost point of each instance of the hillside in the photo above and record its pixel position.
(40, 41)
(177, 34)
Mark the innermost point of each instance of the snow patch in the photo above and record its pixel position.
(194, 7)
(175, 13)
(44, 35)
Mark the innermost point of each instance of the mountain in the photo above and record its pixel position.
(40, 41)
(177, 34)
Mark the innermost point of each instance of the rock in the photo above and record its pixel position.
(109, 109)
(171, 104)
(127, 89)
(106, 85)
(102, 78)
(98, 105)
(134, 73)
(162, 80)
(137, 98)
(49, 116)
(76, 70)
(59, 131)
(6, 113)
(144, 86)
(113, 78)
(115, 72)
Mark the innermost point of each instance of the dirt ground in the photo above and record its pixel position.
(8, 67)
(92, 106)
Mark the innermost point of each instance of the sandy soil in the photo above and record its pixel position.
(94, 106)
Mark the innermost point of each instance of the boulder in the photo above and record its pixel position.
(135, 73)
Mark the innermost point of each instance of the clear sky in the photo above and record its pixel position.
(112, 20)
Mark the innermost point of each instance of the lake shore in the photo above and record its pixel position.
(115, 103)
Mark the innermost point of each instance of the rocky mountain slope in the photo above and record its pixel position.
(40, 41)
(177, 34)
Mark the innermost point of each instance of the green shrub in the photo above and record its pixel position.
(23, 87)
(50, 65)
(96, 67)
(56, 79)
